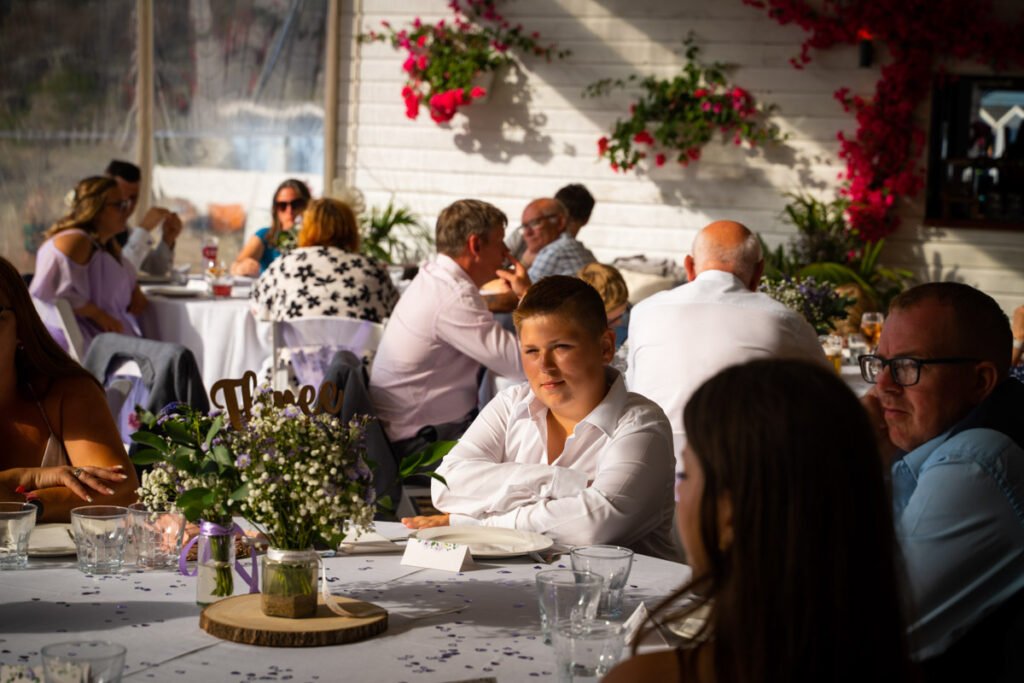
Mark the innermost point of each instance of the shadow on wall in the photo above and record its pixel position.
(505, 126)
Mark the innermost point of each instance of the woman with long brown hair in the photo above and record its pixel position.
(81, 262)
(290, 200)
(787, 525)
(60, 442)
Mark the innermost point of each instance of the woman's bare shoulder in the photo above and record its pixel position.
(75, 244)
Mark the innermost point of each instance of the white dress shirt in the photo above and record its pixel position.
(680, 338)
(141, 252)
(612, 482)
(440, 333)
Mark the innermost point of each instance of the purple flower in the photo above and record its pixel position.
(242, 461)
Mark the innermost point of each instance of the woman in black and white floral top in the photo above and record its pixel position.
(325, 275)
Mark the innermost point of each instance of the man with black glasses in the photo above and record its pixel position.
(954, 426)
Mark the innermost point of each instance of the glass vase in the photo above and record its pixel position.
(216, 560)
(289, 583)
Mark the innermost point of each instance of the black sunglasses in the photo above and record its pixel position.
(296, 204)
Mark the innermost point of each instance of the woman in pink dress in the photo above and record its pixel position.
(81, 262)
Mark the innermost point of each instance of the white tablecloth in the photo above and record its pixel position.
(222, 333)
(153, 614)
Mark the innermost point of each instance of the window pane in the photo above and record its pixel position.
(239, 108)
(66, 108)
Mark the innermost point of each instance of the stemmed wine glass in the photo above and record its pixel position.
(871, 326)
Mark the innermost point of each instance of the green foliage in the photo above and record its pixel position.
(393, 234)
(680, 115)
(421, 463)
(828, 250)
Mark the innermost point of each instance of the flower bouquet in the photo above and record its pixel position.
(304, 478)
(820, 303)
(444, 60)
(193, 471)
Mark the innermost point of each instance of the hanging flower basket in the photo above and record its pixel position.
(447, 63)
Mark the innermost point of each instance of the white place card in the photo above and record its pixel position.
(632, 625)
(451, 557)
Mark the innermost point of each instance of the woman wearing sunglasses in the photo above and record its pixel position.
(81, 262)
(262, 249)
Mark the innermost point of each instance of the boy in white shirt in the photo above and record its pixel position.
(570, 454)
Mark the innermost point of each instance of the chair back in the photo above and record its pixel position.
(60, 316)
(144, 372)
(308, 345)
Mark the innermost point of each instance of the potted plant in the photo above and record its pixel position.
(305, 479)
(819, 303)
(444, 61)
(829, 250)
(193, 471)
(394, 234)
(679, 115)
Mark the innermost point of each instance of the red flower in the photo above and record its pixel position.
(477, 92)
(421, 63)
(422, 40)
(643, 137)
(659, 159)
(700, 92)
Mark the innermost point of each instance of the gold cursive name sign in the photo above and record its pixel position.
(310, 401)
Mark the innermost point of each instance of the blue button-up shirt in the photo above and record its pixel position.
(959, 508)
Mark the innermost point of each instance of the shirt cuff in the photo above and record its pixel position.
(455, 519)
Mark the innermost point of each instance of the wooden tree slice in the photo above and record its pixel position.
(240, 619)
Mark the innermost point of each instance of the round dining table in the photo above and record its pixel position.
(221, 332)
(479, 624)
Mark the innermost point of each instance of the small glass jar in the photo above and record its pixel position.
(289, 583)
(215, 565)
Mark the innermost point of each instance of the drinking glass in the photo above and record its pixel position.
(586, 652)
(16, 522)
(612, 563)
(156, 535)
(100, 533)
(83, 661)
(567, 594)
(832, 345)
(871, 326)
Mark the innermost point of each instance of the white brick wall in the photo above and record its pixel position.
(537, 133)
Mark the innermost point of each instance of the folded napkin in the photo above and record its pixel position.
(369, 542)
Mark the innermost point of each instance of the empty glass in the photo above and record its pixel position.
(16, 522)
(156, 536)
(567, 594)
(586, 652)
(100, 533)
(83, 661)
(612, 563)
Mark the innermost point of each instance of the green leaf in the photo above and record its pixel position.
(179, 433)
(151, 440)
(215, 428)
(241, 493)
(147, 456)
(222, 456)
(193, 497)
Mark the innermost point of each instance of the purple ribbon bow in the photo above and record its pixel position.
(213, 529)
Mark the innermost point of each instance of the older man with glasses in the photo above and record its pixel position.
(544, 232)
(954, 426)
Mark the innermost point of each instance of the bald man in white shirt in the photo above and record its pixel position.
(680, 338)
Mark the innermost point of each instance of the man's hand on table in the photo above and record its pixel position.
(425, 521)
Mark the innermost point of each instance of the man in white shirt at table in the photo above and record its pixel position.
(424, 380)
(570, 454)
(680, 338)
(139, 247)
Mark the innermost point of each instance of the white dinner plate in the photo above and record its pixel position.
(175, 291)
(488, 541)
(51, 540)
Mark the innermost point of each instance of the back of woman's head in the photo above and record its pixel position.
(88, 200)
(807, 589)
(38, 358)
(328, 222)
